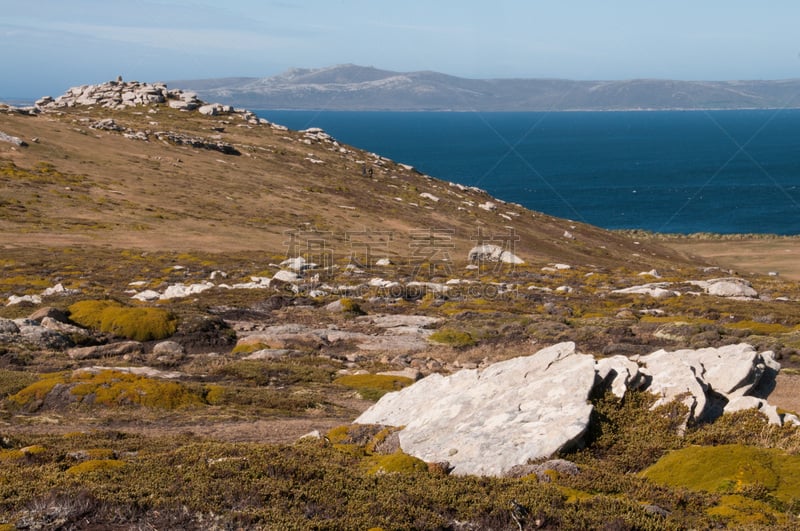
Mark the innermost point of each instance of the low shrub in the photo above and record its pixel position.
(37, 390)
(301, 370)
(139, 324)
(249, 348)
(113, 388)
(396, 463)
(12, 382)
(756, 327)
(349, 306)
(22, 453)
(373, 386)
(96, 466)
(628, 436)
(454, 338)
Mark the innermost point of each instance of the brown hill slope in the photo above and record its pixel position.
(159, 178)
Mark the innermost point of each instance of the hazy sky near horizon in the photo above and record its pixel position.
(50, 45)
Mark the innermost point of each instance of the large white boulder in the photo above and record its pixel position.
(485, 422)
(727, 287)
(730, 371)
(493, 253)
(177, 291)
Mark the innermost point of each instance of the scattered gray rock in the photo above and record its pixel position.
(168, 353)
(61, 327)
(12, 140)
(52, 313)
(408, 372)
(561, 467)
(393, 321)
(106, 124)
(177, 291)
(19, 299)
(106, 351)
(740, 403)
(493, 253)
(181, 139)
(7, 326)
(619, 374)
(292, 337)
(727, 287)
(42, 337)
(147, 372)
(272, 354)
(284, 276)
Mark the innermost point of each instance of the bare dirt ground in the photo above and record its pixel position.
(761, 256)
(268, 431)
(785, 395)
(272, 430)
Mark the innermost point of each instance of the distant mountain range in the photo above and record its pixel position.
(352, 87)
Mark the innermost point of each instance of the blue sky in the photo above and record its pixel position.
(50, 45)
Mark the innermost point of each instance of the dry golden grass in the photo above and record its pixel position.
(746, 255)
(122, 193)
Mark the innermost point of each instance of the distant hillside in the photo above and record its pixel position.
(132, 165)
(352, 87)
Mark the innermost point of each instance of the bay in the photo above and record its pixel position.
(663, 171)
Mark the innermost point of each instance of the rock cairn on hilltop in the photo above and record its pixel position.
(121, 94)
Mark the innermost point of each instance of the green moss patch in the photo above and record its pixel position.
(396, 463)
(373, 386)
(730, 469)
(139, 324)
(94, 466)
(765, 329)
(113, 388)
(453, 338)
(37, 390)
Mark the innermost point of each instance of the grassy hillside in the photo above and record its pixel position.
(78, 185)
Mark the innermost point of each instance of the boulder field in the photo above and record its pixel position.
(487, 421)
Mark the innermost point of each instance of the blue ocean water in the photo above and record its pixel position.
(670, 171)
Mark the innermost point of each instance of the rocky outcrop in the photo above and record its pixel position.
(113, 95)
(493, 253)
(657, 290)
(727, 287)
(57, 290)
(106, 351)
(733, 287)
(696, 377)
(121, 94)
(401, 334)
(180, 139)
(488, 421)
(48, 334)
(12, 140)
